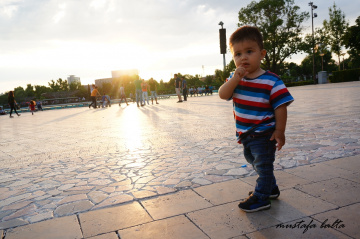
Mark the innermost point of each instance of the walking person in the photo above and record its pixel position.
(12, 103)
(32, 107)
(152, 86)
(184, 87)
(178, 87)
(122, 95)
(138, 92)
(94, 93)
(144, 88)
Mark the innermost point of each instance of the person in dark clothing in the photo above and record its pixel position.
(12, 102)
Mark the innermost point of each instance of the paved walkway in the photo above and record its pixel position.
(175, 171)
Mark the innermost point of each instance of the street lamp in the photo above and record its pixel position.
(313, 15)
(343, 55)
(222, 33)
(322, 61)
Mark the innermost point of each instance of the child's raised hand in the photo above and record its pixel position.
(241, 72)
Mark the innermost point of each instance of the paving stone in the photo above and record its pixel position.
(230, 221)
(114, 200)
(224, 192)
(11, 200)
(111, 235)
(48, 229)
(73, 207)
(349, 217)
(338, 191)
(174, 204)
(311, 172)
(111, 219)
(13, 223)
(170, 228)
(293, 204)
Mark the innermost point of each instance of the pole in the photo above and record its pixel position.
(313, 41)
(224, 61)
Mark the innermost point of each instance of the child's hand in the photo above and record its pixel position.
(279, 136)
(241, 72)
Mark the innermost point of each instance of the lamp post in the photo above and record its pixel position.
(343, 55)
(313, 15)
(322, 61)
(222, 33)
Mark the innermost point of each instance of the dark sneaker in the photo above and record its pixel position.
(275, 193)
(253, 204)
(179, 101)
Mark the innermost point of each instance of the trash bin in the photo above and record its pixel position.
(322, 77)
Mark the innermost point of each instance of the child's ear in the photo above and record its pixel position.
(263, 53)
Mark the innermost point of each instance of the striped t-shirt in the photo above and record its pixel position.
(255, 101)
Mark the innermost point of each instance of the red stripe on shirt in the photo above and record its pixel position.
(256, 85)
(277, 93)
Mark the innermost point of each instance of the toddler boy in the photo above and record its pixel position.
(259, 99)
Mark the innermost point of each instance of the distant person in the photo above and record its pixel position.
(94, 94)
(138, 92)
(12, 103)
(106, 100)
(184, 88)
(39, 105)
(153, 88)
(2, 111)
(211, 89)
(122, 95)
(260, 117)
(144, 88)
(178, 87)
(32, 106)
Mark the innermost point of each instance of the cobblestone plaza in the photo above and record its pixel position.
(59, 163)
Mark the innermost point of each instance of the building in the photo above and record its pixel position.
(100, 82)
(73, 78)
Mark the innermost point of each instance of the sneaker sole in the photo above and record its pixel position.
(257, 209)
(274, 196)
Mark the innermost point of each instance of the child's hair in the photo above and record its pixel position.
(246, 33)
(32, 102)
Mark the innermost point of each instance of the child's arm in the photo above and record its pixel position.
(227, 89)
(279, 133)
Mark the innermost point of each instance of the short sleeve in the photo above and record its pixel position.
(280, 95)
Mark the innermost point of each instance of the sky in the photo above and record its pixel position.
(43, 40)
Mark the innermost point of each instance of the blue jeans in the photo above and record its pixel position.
(139, 96)
(260, 153)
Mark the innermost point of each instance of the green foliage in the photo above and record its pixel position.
(335, 30)
(352, 41)
(59, 85)
(346, 75)
(280, 23)
(299, 83)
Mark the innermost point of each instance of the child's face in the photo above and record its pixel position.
(247, 54)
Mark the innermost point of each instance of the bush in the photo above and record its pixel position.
(299, 83)
(345, 75)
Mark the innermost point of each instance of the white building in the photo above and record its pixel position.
(73, 78)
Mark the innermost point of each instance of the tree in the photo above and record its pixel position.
(40, 89)
(279, 21)
(29, 91)
(335, 29)
(352, 41)
(75, 85)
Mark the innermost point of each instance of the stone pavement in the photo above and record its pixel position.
(175, 171)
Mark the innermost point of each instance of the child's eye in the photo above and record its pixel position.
(238, 54)
(249, 51)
